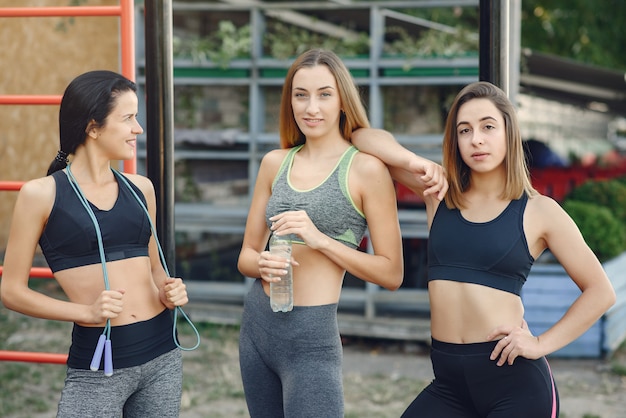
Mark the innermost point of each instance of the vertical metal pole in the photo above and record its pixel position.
(514, 47)
(377, 25)
(489, 42)
(127, 46)
(159, 119)
(503, 45)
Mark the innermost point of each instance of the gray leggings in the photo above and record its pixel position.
(290, 362)
(152, 389)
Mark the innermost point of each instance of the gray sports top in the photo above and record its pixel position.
(329, 204)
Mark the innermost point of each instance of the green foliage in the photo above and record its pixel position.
(185, 187)
(599, 209)
(605, 234)
(622, 180)
(283, 41)
(608, 193)
(584, 30)
(465, 17)
(618, 369)
(228, 42)
(431, 43)
(446, 32)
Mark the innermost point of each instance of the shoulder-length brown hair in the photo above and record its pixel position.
(517, 175)
(353, 115)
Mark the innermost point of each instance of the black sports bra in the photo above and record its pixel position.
(69, 238)
(493, 254)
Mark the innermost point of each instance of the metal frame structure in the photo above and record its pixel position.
(159, 108)
(125, 11)
(214, 219)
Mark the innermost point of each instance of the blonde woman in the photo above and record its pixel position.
(321, 190)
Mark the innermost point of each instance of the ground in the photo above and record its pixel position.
(588, 387)
(380, 377)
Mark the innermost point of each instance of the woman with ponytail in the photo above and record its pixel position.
(92, 226)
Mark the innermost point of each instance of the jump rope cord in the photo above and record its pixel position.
(177, 309)
(104, 342)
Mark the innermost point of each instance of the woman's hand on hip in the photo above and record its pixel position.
(514, 342)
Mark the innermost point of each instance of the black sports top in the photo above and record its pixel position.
(69, 238)
(493, 254)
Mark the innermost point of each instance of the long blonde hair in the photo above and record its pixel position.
(353, 114)
(517, 175)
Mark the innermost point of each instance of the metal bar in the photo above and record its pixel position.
(127, 46)
(33, 357)
(127, 38)
(60, 11)
(38, 272)
(22, 99)
(319, 5)
(160, 119)
(489, 42)
(125, 10)
(11, 186)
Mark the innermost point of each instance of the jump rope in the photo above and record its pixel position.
(104, 342)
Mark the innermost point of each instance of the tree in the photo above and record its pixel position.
(589, 31)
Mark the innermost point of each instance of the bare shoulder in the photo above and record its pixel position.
(43, 188)
(369, 176)
(275, 157)
(369, 165)
(37, 195)
(546, 213)
(271, 162)
(542, 205)
(142, 182)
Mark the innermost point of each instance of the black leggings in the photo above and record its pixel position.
(468, 384)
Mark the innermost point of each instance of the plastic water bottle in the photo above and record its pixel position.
(281, 293)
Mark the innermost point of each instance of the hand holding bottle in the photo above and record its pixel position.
(281, 292)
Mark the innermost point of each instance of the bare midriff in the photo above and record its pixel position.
(316, 281)
(133, 275)
(463, 313)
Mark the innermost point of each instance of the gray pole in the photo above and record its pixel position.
(159, 119)
(499, 44)
(489, 42)
(514, 26)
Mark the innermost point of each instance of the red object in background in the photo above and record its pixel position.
(557, 182)
(406, 197)
(33, 357)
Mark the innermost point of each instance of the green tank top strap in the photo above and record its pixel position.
(286, 162)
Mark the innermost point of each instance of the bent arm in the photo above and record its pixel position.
(256, 232)
(385, 266)
(566, 243)
(29, 216)
(419, 174)
(372, 189)
(172, 291)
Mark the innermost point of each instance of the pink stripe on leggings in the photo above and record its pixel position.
(553, 415)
